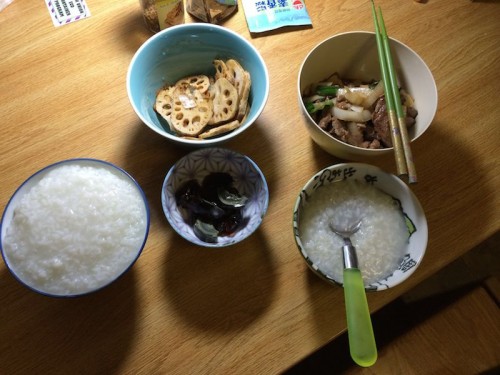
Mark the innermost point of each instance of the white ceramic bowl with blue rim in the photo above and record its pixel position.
(190, 49)
(32, 181)
(391, 185)
(248, 180)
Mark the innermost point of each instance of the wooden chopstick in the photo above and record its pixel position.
(399, 133)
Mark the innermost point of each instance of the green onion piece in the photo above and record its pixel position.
(317, 106)
(310, 107)
(327, 90)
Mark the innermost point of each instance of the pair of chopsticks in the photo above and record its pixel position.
(399, 133)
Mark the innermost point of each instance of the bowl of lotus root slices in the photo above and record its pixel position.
(198, 84)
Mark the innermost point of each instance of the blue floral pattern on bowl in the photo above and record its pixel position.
(248, 179)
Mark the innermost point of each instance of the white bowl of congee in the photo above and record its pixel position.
(341, 95)
(74, 227)
(392, 237)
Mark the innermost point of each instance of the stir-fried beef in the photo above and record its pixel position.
(375, 144)
(380, 121)
(355, 136)
(325, 122)
(342, 102)
(411, 114)
(339, 129)
(334, 126)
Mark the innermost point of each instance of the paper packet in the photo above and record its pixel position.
(160, 14)
(212, 11)
(265, 15)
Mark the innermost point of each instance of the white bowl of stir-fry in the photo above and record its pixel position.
(342, 95)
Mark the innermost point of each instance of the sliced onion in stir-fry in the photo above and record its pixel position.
(325, 83)
(347, 115)
(356, 108)
(375, 93)
(407, 99)
(355, 97)
(314, 98)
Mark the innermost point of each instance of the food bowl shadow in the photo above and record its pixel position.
(47, 333)
(221, 290)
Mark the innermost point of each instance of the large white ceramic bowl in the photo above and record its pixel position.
(186, 50)
(354, 55)
(67, 232)
(411, 209)
(248, 180)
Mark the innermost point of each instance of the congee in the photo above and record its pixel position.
(77, 229)
(380, 242)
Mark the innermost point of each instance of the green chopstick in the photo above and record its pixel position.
(394, 88)
(393, 124)
(399, 134)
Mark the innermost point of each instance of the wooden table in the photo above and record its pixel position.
(253, 308)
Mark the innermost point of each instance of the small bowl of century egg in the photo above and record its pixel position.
(215, 197)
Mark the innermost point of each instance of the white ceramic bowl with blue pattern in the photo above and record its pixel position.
(248, 179)
(412, 211)
(185, 50)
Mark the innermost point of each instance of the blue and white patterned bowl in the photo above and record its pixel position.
(248, 180)
(391, 185)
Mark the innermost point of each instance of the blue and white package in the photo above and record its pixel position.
(265, 15)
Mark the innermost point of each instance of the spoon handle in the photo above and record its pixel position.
(359, 325)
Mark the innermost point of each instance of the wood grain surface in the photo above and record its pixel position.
(253, 308)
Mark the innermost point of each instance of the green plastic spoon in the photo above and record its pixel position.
(359, 325)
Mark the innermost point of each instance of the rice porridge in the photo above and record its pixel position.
(75, 230)
(380, 242)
